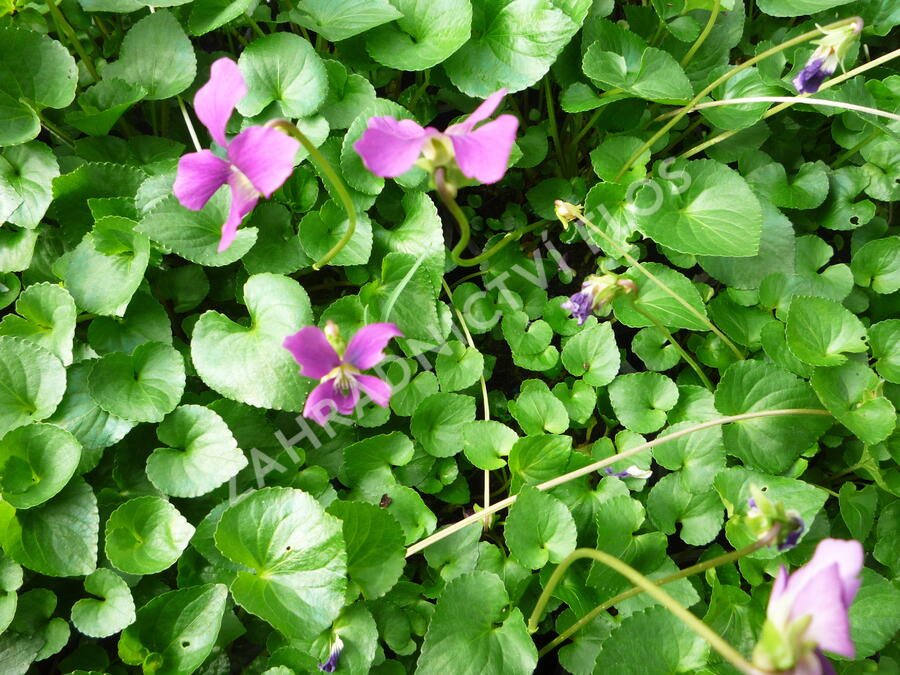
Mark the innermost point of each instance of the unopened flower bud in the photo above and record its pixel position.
(567, 212)
(828, 55)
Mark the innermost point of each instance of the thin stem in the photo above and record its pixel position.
(659, 282)
(809, 35)
(713, 15)
(465, 233)
(554, 128)
(847, 154)
(52, 128)
(665, 331)
(256, 28)
(188, 124)
(335, 181)
(593, 118)
(596, 466)
(73, 38)
(834, 81)
(762, 542)
(789, 99)
(728, 652)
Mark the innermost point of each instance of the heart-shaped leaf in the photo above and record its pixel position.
(111, 613)
(146, 535)
(36, 462)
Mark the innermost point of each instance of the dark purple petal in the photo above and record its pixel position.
(481, 113)
(579, 305)
(331, 664)
(311, 349)
(215, 100)
(320, 403)
(243, 198)
(483, 154)
(825, 664)
(792, 537)
(367, 346)
(389, 148)
(376, 389)
(265, 156)
(814, 73)
(199, 175)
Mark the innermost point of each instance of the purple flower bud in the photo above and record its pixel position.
(792, 537)
(814, 73)
(332, 663)
(580, 306)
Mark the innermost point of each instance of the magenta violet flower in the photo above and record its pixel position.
(389, 147)
(259, 160)
(322, 356)
(808, 611)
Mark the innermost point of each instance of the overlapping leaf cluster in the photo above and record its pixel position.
(165, 509)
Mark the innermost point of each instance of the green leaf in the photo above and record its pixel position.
(619, 59)
(144, 321)
(819, 331)
(26, 174)
(207, 15)
(513, 45)
(103, 104)
(798, 7)
(873, 622)
(700, 514)
(428, 33)
(768, 443)
(297, 556)
(746, 83)
(249, 363)
(851, 392)
(282, 68)
(676, 648)
(33, 620)
(146, 535)
(592, 355)
(348, 94)
(806, 190)
(877, 265)
(534, 459)
(321, 230)
(697, 457)
(368, 464)
(156, 55)
(340, 19)
(59, 537)
(524, 336)
(201, 454)
(539, 529)
(708, 209)
(416, 316)
(538, 411)
(858, 509)
(107, 267)
(175, 631)
(457, 366)
(375, 546)
(111, 613)
(654, 349)
(35, 68)
(143, 387)
(487, 443)
(840, 211)
(36, 462)
(32, 382)
(884, 338)
(420, 234)
(493, 638)
(47, 318)
(438, 423)
(641, 400)
(195, 235)
(655, 301)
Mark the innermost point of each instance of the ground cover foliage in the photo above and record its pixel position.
(165, 505)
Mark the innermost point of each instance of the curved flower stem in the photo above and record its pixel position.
(66, 28)
(792, 100)
(554, 128)
(465, 232)
(659, 282)
(593, 118)
(762, 542)
(834, 81)
(335, 181)
(484, 398)
(665, 331)
(713, 15)
(596, 466)
(728, 652)
(809, 35)
(190, 125)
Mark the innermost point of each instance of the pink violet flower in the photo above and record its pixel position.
(259, 160)
(808, 611)
(389, 147)
(339, 372)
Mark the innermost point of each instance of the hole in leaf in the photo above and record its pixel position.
(854, 220)
(185, 644)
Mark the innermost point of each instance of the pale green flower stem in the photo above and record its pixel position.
(762, 542)
(713, 15)
(659, 282)
(652, 588)
(69, 32)
(596, 466)
(790, 100)
(809, 35)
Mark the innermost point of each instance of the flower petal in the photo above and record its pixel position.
(347, 400)
(822, 599)
(847, 554)
(243, 199)
(481, 113)
(367, 346)
(265, 156)
(311, 349)
(215, 100)
(389, 148)
(483, 154)
(376, 389)
(320, 403)
(199, 175)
